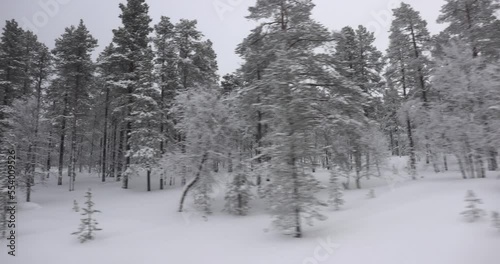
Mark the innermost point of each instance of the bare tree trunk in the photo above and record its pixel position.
(148, 177)
(462, 168)
(48, 165)
(105, 136)
(113, 149)
(296, 194)
(62, 139)
(492, 160)
(445, 162)
(128, 132)
(119, 165)
(481, 172)
(79, 155)
(413, 160)
(193, 181)
(72, 156)
(91, 155)
(29, 174)
(229, 162)
(358, 182)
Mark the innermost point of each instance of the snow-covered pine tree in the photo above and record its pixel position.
(12, 67)
(166, 71)
(76, 208)
(74, 68)
(132, 44)
(495, 219)
(88, 225)
(473, 212)
(371, 194)
(465, 117)
(239, 191)
(21, 118)
(362, 63)
(145, 137)
(474, 22)
(294, 91)
(409, 69)
(336, 194)
(197, 65)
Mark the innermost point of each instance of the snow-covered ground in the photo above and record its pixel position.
(408, 222)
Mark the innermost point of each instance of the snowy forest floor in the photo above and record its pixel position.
(408, 222)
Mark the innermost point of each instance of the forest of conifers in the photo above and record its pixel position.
(305, 97)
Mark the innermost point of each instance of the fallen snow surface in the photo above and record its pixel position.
(409, 222)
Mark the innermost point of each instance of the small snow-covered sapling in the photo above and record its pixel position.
(495, 218)
(472, 212)
(336, 194)
(371, 194)
(76, 208)
(88, 225)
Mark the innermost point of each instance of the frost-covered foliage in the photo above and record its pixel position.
(4, 195)
(295, 98)
(408, 72)
(202, 190)
(336, 194)
(464, 121)
(239, 192)
(207, 124)
(88, 225)
(475, 22)
(24, 134)
(473, 212)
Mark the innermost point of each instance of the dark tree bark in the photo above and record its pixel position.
(193, 181)
(62, 140)
(105, 136)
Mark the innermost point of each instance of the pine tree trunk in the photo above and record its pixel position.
(358, 165)
(149, 180)
(193, 181)
(119, 165)
(492, 160)
(368, 164)
(412, 148)
(470, 165)
(462, 168)
(79, 156)
(62, 139)
(48, 164)
(113, 149)
(29, 174)
(296, 197)
(105, 136)
(91, 155)
(127, 140)
(391, 143)
(481, 172)
(72, 155)
(229, 162)
(445, 162)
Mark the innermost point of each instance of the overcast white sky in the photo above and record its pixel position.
(222, 21)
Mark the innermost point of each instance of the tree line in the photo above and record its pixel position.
(305, 97)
